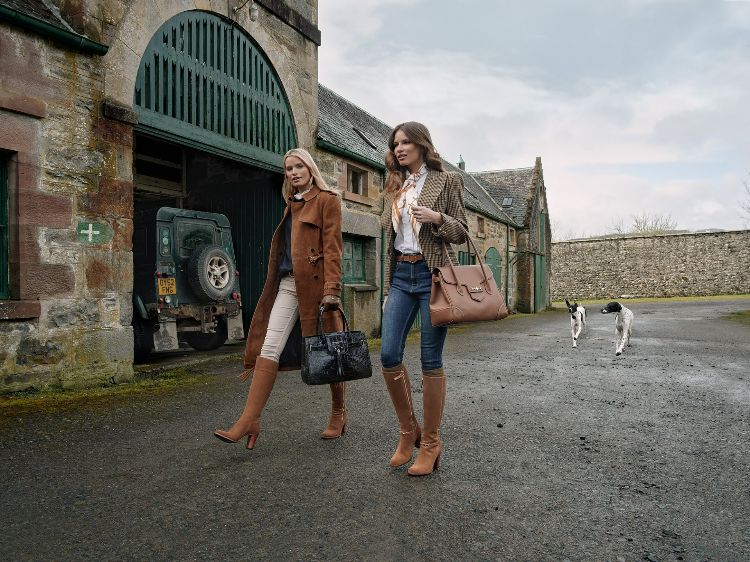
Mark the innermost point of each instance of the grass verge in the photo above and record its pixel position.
(53, 400)
(741, 316)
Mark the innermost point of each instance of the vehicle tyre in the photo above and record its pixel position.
(211, 272)
(207, 342)
(143, 339)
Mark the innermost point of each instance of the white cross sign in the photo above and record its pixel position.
(90, 232)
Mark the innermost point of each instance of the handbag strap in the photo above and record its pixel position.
(320, 319)
(469, 245)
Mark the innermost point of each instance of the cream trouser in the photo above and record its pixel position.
(284, 314)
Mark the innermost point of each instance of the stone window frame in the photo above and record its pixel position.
(481, 226)
(347, 192)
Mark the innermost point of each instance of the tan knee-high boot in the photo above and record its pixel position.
(264, 377)
(399, 388)
(337, 419)
(433, 391)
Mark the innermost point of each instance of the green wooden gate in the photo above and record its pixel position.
(540, 283)
(207, 83)
(495, 263)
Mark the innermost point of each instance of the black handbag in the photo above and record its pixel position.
(335, 357)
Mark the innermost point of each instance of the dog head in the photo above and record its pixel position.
(612, 307)
(572, 308)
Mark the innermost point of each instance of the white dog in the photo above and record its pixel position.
(577, 320)
(623, 324)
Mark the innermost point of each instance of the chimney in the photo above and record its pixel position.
(461, 163)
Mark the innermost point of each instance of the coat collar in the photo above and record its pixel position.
(431, 189)
(311, 194)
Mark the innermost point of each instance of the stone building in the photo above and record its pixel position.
(521, 193)
(109, 109)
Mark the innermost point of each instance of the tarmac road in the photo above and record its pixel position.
(550, 453)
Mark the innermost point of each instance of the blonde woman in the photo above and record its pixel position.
(423, 207)
(304, 271)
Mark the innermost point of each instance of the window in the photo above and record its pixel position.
(465, 258)
(480, 227)
(354, 260)
(356, 181)
(4, 235)
(512, 236)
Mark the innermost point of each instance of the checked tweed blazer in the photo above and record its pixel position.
(442, 192)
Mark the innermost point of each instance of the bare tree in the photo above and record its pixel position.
(617, 227)
(647, 223)
(745, 203)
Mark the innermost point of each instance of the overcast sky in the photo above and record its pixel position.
(635, 106)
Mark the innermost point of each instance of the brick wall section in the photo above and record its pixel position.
(652, 266)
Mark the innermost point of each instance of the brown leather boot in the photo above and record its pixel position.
(337, 419)
(433, 391)
(399, 388)
(264, 377)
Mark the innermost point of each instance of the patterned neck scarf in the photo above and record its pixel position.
(406, 198)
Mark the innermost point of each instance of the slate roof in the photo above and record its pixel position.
(515, 184)
(476, 197)
(40, 10)
(338, 123)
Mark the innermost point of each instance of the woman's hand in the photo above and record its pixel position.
(331, 302)
(426, 215)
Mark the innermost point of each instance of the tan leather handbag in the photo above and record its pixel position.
(465, 293)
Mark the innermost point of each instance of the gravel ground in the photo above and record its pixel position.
(551, 453)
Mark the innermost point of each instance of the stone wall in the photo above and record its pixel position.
(652, 266)
(495, 236)
(67, 322)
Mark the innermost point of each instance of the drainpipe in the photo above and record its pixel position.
(507, 261)
(78, 42)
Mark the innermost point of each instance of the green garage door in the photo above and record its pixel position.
(206, 82)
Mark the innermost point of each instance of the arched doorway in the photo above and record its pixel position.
(214, 123)
(495, 262)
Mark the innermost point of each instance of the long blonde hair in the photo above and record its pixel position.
(419, 135)
(307, 160)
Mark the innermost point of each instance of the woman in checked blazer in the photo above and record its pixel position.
(423, 206)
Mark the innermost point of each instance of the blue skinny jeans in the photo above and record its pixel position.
(410, 293)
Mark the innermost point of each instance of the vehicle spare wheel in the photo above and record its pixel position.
(211, 272)
(207, 342)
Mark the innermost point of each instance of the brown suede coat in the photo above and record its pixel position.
(316, 261)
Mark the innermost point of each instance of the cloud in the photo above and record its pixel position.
(687, 109)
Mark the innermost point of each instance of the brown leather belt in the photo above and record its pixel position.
(410, 258)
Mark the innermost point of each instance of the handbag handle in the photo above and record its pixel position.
(469, 242)
(320, 319)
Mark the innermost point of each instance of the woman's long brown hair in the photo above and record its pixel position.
(419, 135)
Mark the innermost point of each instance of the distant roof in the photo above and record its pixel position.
(476, 197)
(351, 128)
(38, 9)
(514, 184)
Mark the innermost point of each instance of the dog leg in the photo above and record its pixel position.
(620, 342)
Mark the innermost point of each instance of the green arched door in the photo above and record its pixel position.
(206, 82)
(495, 262)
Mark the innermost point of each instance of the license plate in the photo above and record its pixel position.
(167, 285)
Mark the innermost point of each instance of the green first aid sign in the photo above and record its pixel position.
(93, 232)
